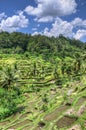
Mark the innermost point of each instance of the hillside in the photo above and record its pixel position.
(42, 83)
(20, 43)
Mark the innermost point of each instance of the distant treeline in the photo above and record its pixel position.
(18, 42)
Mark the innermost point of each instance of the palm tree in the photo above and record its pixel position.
(9, 77)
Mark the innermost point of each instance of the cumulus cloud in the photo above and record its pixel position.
(36, 33)
(49, 9)
(2, 15)
(78, 22)
(14, 23)
(80, 34)
(44, 19)
(60, 27)
(66, 28)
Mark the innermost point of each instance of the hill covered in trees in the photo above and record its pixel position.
(20, 43)
(42, 82)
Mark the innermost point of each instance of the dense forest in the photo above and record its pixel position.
(20, 43)
(42, 82)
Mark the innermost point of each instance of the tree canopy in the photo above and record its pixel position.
(18, 42)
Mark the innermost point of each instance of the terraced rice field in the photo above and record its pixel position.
(46, 106)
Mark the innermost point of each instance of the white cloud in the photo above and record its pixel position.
(60, 27)
(2, 15)
(14, 23)
(44, 19)
(66, 29)
(51, 8)
(78, 22)
(80, 34)
(36, 33)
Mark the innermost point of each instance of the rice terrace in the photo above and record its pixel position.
(42, 65)
(43, 90)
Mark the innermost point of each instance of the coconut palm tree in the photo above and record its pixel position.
(9, 77)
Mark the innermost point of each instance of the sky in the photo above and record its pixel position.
(45, 17)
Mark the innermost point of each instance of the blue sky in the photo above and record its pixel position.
(46, 17)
